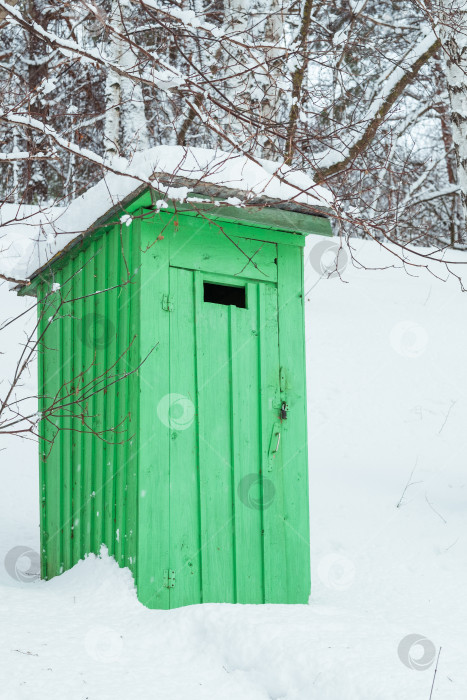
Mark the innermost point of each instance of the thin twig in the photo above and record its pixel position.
(434, 510)
(453, 403)
(408, 485)
(434, 675)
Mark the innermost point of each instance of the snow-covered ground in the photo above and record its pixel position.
(387, 378)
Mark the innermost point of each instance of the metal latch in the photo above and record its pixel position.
(169, 578)
(284, 409)
(167, 302)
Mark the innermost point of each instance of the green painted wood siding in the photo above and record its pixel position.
(88, 485)
(210, 504)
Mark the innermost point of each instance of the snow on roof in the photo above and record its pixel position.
(30, 237)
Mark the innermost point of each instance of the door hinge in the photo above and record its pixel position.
(169, 578)
(167, 302)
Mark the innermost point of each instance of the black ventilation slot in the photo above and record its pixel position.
(224, 294)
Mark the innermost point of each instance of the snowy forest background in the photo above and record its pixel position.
(368, 96)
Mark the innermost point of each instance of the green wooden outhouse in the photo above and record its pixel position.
(179, 326)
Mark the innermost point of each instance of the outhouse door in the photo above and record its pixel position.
(226, 537)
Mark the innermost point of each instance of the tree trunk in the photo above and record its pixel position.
(273, 35)
(125, 129)
(113, 91)
(450, 153)
(35, 171)
(453, 28)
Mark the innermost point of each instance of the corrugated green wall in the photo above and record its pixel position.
(89, 482)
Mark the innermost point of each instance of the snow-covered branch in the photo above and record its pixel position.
(333, 161)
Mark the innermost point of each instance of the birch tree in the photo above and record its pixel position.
(452, 22)
(125, 127)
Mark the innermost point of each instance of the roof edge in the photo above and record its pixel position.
(293, 217)
(215, 192)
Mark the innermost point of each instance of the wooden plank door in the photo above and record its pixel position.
(227, 540)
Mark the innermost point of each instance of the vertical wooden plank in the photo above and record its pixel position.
(66, 363)
(133, 392)
(180, 413)
(98, 401)
(73, 425)
(153, 482)
(275, 560)
(91, 463)
(246, 462)
(59, 421)
(104, 282)
(121, 396)
(77, 436)
(42, 430)
(111, 459)
(52, 382)
(117, 459)
(294, 433)
(215, 448)
(88, 340)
